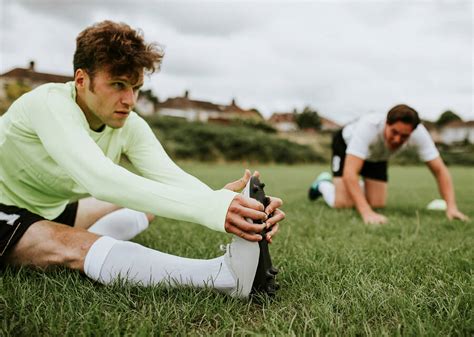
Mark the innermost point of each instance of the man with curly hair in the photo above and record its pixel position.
(64, 200)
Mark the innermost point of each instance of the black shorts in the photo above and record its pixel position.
(14, 222)
(372, 170)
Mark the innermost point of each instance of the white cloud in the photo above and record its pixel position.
(343, 58)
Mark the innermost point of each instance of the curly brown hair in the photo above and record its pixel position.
(116, 48)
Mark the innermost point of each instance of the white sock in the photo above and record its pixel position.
(123, 224)
(109, 260)
(328, 191)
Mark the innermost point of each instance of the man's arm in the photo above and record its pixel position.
(445, 186)
(350, 176)
(59, 124)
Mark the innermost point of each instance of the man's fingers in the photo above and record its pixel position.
(239, 222)
(251, 213)
(249, 202)
(272, 233)
(244, 235)
(278, 216)
(273, 205)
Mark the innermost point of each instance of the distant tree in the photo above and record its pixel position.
(446, 117)
(15, 89)
(308, 119)
(149, 95)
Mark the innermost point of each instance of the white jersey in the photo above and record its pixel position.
(364, 139)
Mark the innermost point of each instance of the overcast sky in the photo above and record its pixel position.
(342, 58)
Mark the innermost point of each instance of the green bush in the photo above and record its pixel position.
(461, 154)
(210, 142)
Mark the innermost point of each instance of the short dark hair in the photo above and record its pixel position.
(403, 113)
(117, 48)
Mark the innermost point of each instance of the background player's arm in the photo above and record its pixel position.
(352, 167)
(446, 189)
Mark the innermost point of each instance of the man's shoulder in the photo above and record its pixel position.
(54, 88)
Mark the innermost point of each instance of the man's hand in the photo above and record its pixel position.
(454, 213)
(235, 220)
(239, 185)
(237, 227)
(374, 218)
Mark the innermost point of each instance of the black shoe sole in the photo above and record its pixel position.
(313, 194)
(264, 281)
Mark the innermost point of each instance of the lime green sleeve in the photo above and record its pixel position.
(69, 145)
(151, 160)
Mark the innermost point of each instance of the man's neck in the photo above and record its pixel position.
(95, 124)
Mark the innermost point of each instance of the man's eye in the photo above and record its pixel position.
(118, 85)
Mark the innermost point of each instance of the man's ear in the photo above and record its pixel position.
(80, 78)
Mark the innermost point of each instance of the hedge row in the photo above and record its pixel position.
(211, 142)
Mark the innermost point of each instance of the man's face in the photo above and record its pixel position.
(106, 99)
(397, 134)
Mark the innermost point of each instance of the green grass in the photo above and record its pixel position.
(413, 276)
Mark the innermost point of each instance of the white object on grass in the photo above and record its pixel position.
(437, 205)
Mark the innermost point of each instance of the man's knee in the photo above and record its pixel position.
(46, 243)
(150, 217)
(343, 203)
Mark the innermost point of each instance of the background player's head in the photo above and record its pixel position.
(401, 121)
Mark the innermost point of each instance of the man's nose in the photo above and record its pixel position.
(129, 98)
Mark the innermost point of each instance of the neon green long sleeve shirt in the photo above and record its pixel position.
(49, 156)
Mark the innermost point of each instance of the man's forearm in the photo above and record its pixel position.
(445, 186)
(356, 193)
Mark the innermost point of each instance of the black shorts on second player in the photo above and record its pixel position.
(372, 170)
(14, 222)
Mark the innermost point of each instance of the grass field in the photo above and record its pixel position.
(413, 276)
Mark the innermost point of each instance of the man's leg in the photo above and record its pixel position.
(342, 197)
(376, 192)
(104, 218)
(106, 260)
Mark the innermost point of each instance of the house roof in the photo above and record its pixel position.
(29, 74)
(289, 117)
(185, 103)
(282, 117)
(458, 124)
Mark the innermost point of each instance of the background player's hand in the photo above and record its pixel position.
(240, 209)
(454, 213)
(374, 218)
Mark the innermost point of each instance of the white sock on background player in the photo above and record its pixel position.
(328, 191)
(123, 224)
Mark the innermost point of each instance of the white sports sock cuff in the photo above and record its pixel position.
(96, 256)
(142, 221)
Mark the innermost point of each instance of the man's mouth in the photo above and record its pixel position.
(122, 113)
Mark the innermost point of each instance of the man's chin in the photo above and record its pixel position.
(393, 147)
(116, 124)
